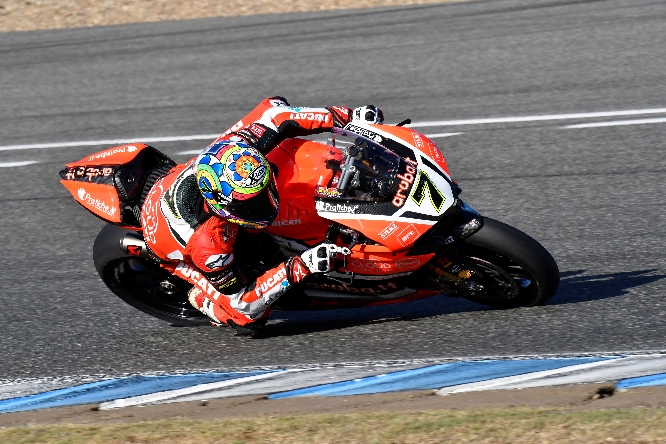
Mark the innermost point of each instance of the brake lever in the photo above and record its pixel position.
(332, 249)
(345, 251)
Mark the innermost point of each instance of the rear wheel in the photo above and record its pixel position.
(142, 283)
(515, 270)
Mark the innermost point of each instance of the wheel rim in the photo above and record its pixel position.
(506, 280)
(147, 284)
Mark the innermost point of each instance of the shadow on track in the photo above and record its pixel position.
(575, 287)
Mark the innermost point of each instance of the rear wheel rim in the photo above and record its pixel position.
(147, 284)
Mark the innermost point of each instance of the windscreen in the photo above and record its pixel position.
(367, 170)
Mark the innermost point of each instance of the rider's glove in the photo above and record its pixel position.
(341, 115)
(368, 114)
(315, 260)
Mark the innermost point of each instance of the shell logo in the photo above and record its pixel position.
(408, 263)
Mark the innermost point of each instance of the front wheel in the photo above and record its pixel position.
(516, 270)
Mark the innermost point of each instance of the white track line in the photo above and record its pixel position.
(617, 123)
(438, 135)
(108, 142)
(429, 136)
(633, 112)
(17, 164)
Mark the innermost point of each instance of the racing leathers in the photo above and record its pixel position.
(198, 246)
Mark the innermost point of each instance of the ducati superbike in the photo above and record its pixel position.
(384, 192)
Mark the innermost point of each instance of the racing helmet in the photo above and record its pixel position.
(237, 183)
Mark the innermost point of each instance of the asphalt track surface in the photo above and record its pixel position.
(593, 196)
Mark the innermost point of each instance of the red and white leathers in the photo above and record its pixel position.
(198, 246)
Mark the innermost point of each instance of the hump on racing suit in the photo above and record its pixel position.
(182, 232)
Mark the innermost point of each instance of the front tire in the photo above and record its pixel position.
(142, 283)
(521, 271)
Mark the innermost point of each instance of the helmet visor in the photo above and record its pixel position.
(260, 209)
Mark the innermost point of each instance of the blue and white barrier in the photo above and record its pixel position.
(117, 388)
(343, 379)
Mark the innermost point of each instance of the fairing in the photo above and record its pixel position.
(419, 194)
(110, 183)
(310, 179)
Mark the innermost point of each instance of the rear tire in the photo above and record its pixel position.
(137, 281)
(522, 259)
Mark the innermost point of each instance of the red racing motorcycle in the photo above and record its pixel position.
(382, 191)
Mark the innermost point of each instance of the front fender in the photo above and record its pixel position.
(468, 221)
(458, 224)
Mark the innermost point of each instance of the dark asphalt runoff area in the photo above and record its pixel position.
(594, 197)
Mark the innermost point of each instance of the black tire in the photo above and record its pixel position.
(137, 281)
(527, 266)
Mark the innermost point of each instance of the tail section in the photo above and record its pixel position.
(113, 183)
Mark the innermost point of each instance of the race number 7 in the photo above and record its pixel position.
(425, 185)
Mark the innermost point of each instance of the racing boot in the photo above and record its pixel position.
(198, 300)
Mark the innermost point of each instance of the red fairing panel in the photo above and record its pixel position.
(101, 200)
(301, 168)
(416, 140)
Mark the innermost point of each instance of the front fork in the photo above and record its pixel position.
(451, 272)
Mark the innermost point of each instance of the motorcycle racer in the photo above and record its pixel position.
(191, 217)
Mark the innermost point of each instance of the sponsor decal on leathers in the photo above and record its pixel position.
(270, 289)
(298, 270)
(319, 117)
(219, 261)
(279, 279)
(257, 130)
(195, 277)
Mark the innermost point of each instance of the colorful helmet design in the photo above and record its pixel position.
(237, 182)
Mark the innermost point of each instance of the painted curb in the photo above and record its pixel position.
(345, 379)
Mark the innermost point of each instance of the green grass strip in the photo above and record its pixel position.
(516, 425)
